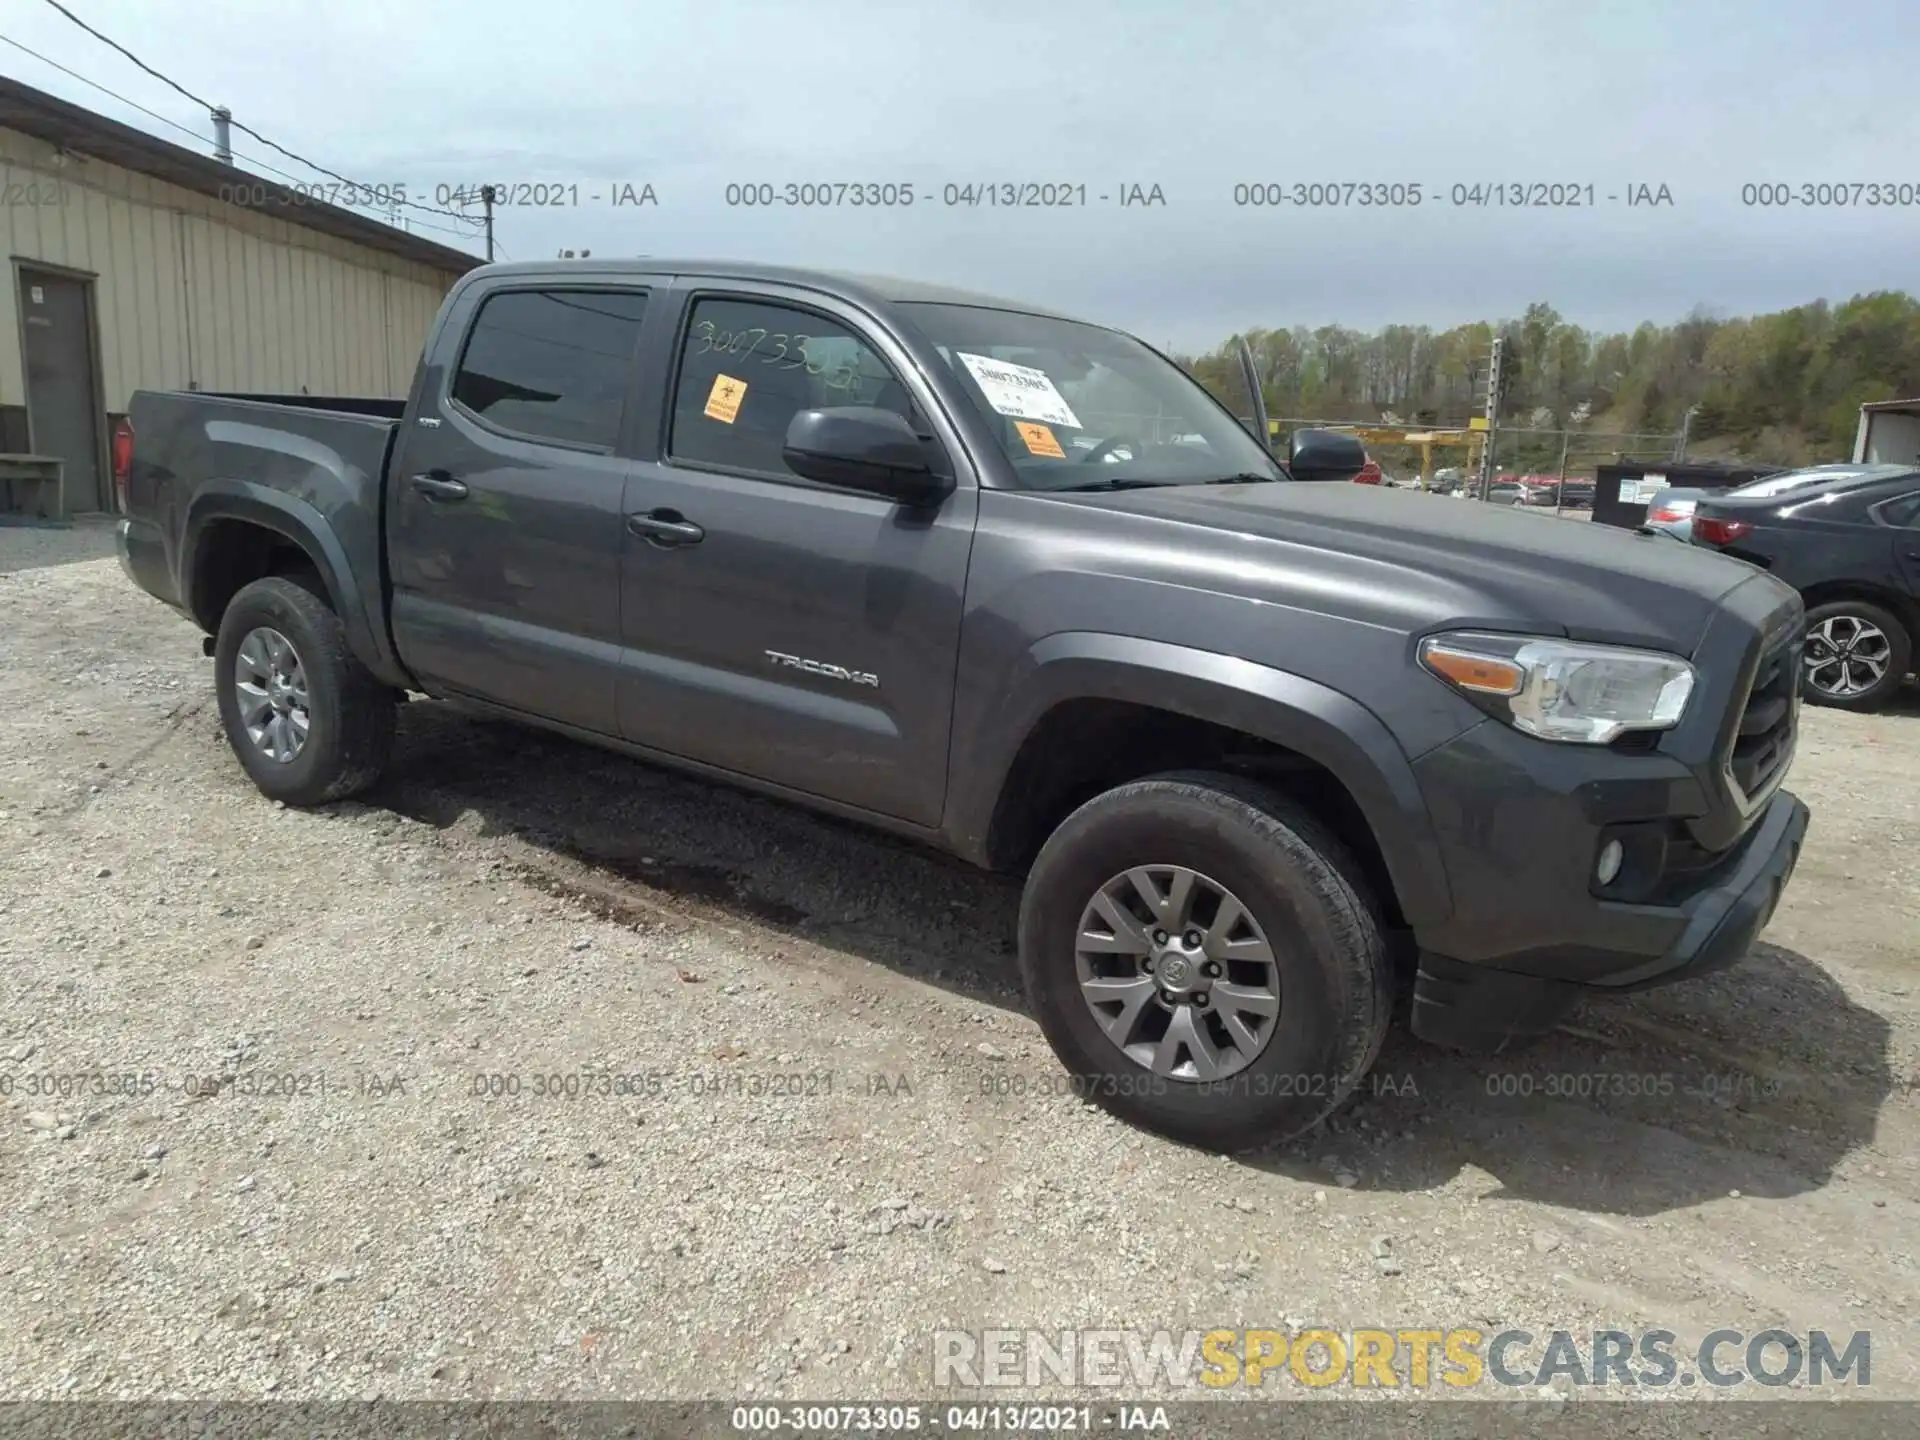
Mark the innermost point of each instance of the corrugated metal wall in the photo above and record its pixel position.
(192, 290)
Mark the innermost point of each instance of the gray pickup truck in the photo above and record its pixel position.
(1270, 754)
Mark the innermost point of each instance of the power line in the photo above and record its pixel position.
(252, 160)
(154, 114)
(244, 129)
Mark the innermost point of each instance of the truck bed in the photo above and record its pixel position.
(309, 467)
(377, 406)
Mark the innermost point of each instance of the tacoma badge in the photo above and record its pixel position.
(832, 672)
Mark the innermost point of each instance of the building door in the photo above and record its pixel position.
(56, 319)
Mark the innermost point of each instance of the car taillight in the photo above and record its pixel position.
(1716, 531)
(122, 461)
(1662, 513)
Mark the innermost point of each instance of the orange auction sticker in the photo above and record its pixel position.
(1040, 440)
(723, 401)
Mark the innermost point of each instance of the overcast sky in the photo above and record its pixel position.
(1701, 96)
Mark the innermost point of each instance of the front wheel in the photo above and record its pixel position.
(1855, 655)
(308, 721)
(1205, 960)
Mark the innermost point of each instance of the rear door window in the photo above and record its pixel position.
(551, 365)
(1903, 512)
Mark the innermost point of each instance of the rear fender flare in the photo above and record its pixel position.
(304, 526)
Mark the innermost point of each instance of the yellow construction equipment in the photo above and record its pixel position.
(1426, 440)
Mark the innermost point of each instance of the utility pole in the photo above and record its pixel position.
(486, 201)
(1493, 413)
(1686, 429)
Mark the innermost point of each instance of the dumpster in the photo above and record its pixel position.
(1622, 491)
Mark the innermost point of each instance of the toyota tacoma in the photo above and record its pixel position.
(1269, 754)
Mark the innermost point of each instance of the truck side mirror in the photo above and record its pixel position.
(1325, 455)
(863, 447)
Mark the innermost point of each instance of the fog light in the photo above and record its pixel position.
(1609, 867)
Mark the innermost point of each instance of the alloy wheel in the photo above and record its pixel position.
(1177, 973)
(1846, 656)
(271, 685)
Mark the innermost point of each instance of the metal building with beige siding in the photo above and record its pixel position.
(133, 269)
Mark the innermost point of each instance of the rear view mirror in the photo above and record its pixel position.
(865, 448)
(1325, 455)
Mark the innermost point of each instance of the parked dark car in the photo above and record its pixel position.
(1851, 546)
(1671, 510)
(1549, 491)
(831, 539)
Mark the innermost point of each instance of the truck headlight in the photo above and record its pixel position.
(1560, 689)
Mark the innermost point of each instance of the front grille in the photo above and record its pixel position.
(1763, 743)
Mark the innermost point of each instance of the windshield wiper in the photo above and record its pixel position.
(1122, 482)
(1114, 482)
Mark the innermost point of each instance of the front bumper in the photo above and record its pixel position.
(1487, 1007)
(1707, 838)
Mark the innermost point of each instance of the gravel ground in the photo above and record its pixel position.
(346, 1217)
(29, 544)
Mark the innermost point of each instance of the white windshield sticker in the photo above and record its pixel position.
(1019, 390)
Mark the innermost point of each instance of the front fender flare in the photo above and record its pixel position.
(1302, 715)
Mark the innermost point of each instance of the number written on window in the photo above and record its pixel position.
(781, 361)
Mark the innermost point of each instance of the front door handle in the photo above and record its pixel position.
(665, 528)
(440, 487)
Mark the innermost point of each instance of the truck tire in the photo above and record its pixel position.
(1287, 991)
(1854, 643)
(308, 721)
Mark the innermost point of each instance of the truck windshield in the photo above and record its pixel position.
(1076, 406)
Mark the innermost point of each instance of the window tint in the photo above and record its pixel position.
(1904, 512)
(748, 366)
(552, 364)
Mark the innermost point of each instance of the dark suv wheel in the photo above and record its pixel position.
(1205, 959)
(309, 722)
(1855, 655)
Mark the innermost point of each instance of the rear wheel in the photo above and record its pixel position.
(1855, 655)
(1205, 959)
(307, 720)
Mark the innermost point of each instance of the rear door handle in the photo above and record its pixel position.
(666, 528)
(439, 487)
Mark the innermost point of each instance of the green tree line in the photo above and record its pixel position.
(1783, 387)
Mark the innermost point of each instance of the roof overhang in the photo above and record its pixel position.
(76, 129)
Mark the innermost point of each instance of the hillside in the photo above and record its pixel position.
(1783, 388)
